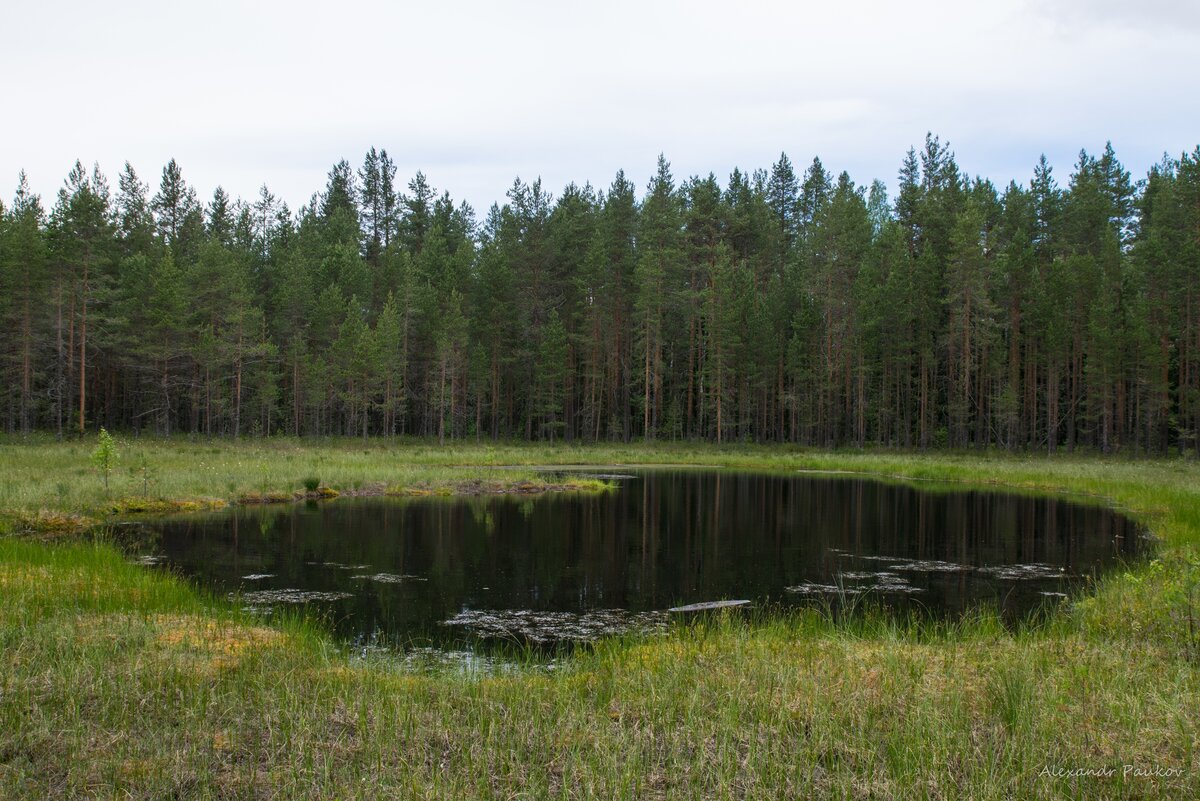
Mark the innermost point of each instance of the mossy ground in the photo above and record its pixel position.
(122, 682)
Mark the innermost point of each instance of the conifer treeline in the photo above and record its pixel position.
(775, 307)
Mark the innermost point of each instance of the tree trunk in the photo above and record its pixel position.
(83, 346)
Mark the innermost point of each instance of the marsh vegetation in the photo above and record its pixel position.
(124, 680)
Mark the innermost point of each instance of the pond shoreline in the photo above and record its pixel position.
(53, 524)
(775, 538)
(185, 694)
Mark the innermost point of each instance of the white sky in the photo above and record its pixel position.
(477, 93)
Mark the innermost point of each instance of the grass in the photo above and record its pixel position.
(52, 487)
(120, 682)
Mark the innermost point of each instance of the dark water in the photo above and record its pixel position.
(444, 572)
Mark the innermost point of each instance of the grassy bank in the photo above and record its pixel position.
(53, 487)
(116, 681)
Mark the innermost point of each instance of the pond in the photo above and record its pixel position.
(445, 573)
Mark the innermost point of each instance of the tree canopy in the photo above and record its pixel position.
(784, 305)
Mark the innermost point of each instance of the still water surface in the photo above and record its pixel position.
(452, 572)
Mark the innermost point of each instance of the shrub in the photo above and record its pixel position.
(105, 455)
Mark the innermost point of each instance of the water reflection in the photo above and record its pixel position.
(443, 571)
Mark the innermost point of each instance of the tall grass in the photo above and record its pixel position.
(121, 682)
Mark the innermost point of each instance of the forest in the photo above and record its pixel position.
(781, 305)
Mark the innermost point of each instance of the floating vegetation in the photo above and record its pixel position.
(551, 627)
(387, 578)
(813, 588)
(1032, 571)
(1035, 570)
(258, 576)
(339, 565)
(1019, 572)
(859, 582)
(881, 581)
(260, 598)
(890, 582)
(930, 566)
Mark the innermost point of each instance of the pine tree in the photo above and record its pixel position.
(165, 336)
(971, 319)
(135, 222)
(451, 347)
(417, 214)
(356, 358)
(391, 358)
(656, 276)
(370, 181)
(389, 203)
(551, 377)
(494, 327)
(24, 279)
(783, 198)
(339, 197)
(810, 310)
(616, 250)
(176, 211)
(82, 240)
(727, 302)
(220, 222)
(838, 251)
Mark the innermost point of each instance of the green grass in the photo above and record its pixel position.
(53, 487)
(121, 682)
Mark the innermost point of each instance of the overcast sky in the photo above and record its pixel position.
(475, 93)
